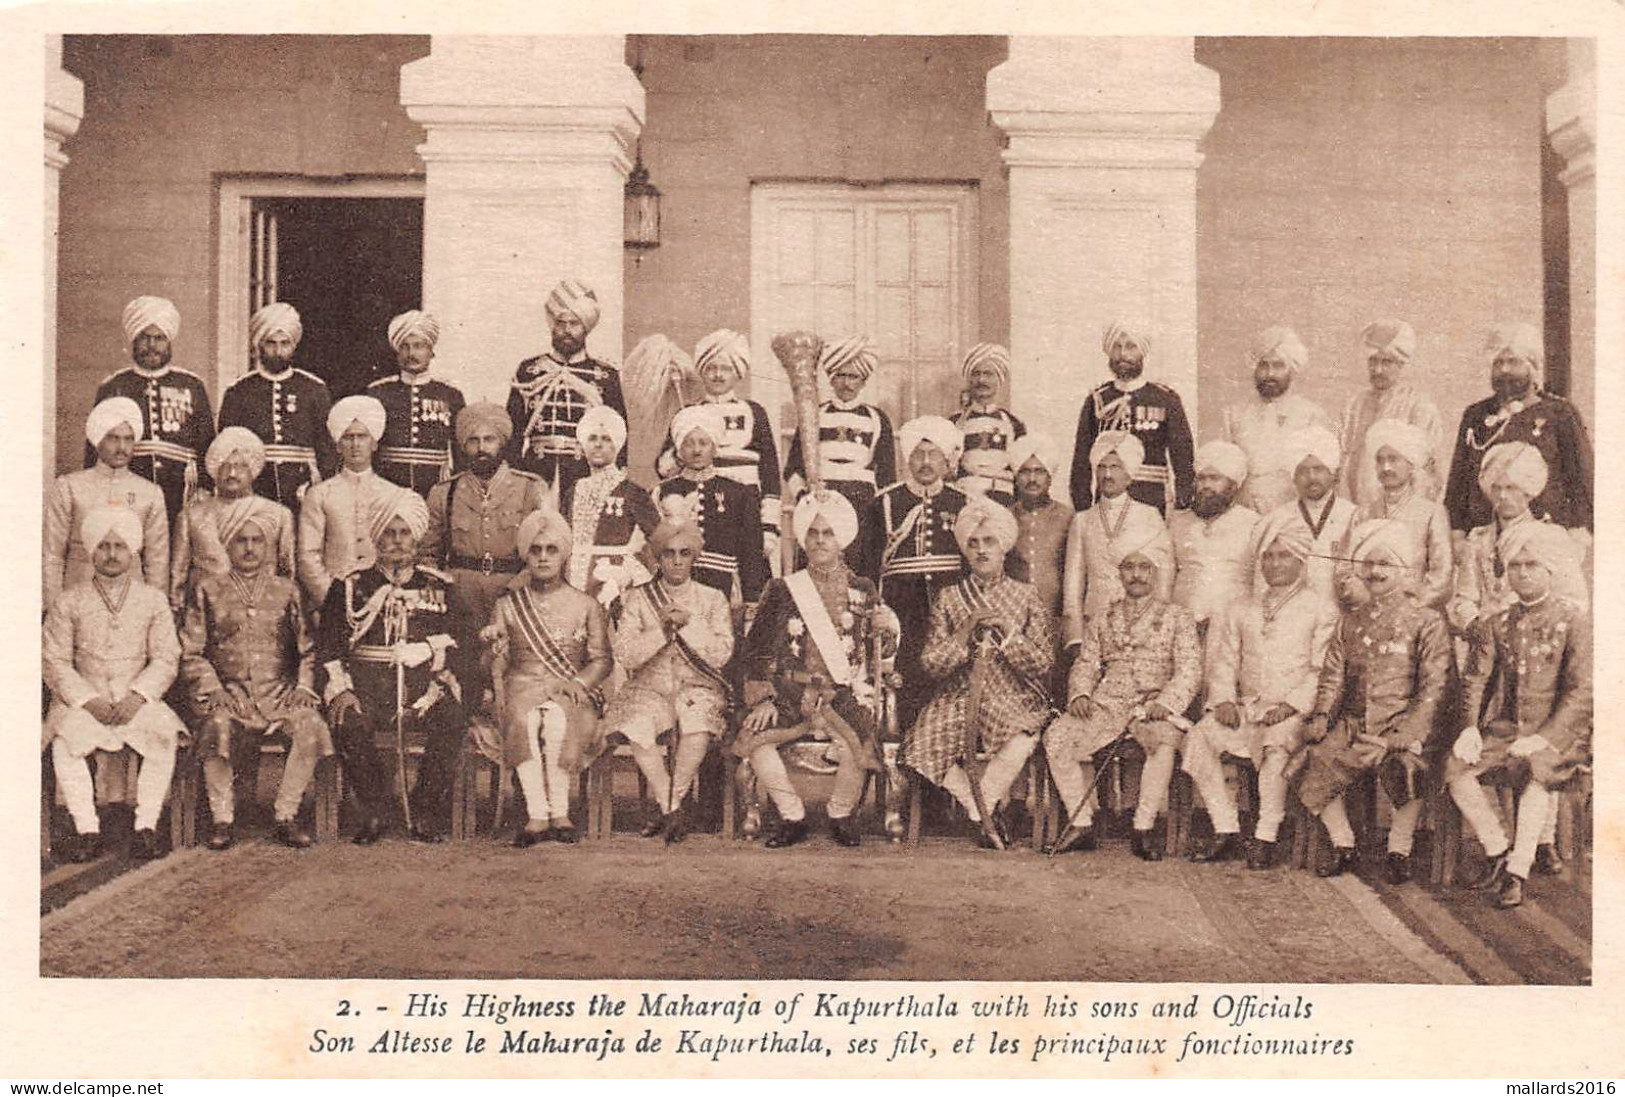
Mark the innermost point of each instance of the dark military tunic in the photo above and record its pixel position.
(746, 453)
(288, 411)
(856, 449)
(177, 426)
(419, 445)
(732, 559)
(984, 462)
(1549, 423)
(1154, 414)
(545, 402)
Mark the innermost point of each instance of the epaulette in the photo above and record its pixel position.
(436, 573)
(381, 381)
(525, 473)
(186, 372)
(1159, 385)
(310, 375)
(889, 488)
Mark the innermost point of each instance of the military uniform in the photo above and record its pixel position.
(288, 411)
(984, 462)
(733, 560)
(857, 453)
(1549, 423)
(199, 551)
(177, 427)
(72, 495)
(1214, 558)
(417, 450)
(611, 518)
(545, 402)
(746, 454)
(1154, 414)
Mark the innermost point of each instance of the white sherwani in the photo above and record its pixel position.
(1213, 559)
(334, 534)
(664, 689)
(1428, 533)
(67, 562)
(1264, 430)
(1400, 402)
(1334, 516)
(1091, 582)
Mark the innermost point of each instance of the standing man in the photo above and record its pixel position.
(1213, 540)
(1150, 411)
(724, 510)
(1093, 544)
(550, 392)
(420, 412)
(1262, 426)
(283, 404)
(855, 445)
(177, 420)
(1318, 509)
(1042, 521)
(611, 517)
(987, 427)
(1396, 451)
(1388, 346)
(335, 534)
(1521, 411)
(234, 459)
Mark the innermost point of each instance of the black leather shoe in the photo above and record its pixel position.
(676, 827)
(524, 837)
(566, 835)
(221, 836)
(1145, 845)
(655, 827)
(1549, 862)
(1073, 839)
(1494, 869)
(844, 833)
(1511, 892)
(144, 845)
(787, 834)
(1398, 869)
(421, 833)
(371, 830)
(292, 835)
(79, 849)
(1001, 827)
(1260, 854)
(1341, 861)
(1223, 847)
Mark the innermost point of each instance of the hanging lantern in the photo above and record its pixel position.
(642, 222)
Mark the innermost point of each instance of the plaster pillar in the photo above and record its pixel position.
(529, 141)
(1571, 124)
(64, 109)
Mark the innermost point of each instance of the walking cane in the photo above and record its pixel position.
(973, 704)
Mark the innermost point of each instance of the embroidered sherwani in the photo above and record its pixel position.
(1091, 582)
(288, 411)
(1482, 590)
(1264, 430)
(335, 537)
(72, 495)
(984, 463)
(1406, 404)
(669, 687)
(1154, 414)
(418, 448)
(545, 402)
(199, 551)
(1214, 559)
(546, 638)
(177, 426)
(1427, 528)
(611, 518)
(1328, 522)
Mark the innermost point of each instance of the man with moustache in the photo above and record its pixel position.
(1396, 451)
(1043, 522)
(855, 444)
(234, 459)
(420, 412)
(1388, 346)
(1261, 427)
(1319, 510)
(1150, 411)
(334, 536)
(1213, 540)
(987, 427)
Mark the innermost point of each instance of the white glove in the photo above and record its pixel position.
(1469, 746)
(1529, 744)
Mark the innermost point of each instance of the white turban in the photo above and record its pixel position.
(988, 354)
(1394, 336)
(108, 414)
(1282, 527)
(1549, 543)
(854, 350)
(402, 503)
(365, 410)
(145, 312)
(1149, 540)
(1517, 463)
(1129, 449)
(278, 316)
(676, 531)
(1120, 328)
(706, 417)
(1404, 439)
(573, 297)
(1317, 442)
(1028, 446)
(934, 429)
(1380, 533)
(979, 510)
(605, 420)
(1282, 341)
(101, 522)
(833, 507)
(1225, 458)
(546, 527)
(1520, 340)
(413, 322)
(250, 508)
(726, 347)
(234, 440)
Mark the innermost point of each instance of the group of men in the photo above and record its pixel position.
(392, 566)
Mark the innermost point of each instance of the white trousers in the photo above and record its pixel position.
(547, 788)
(772, 776)
(1072, 780)
(1401, 830)
(1001, 772)
(78, 787)
(298, 768)
(668, 789)
(1535, 812)
(1220, 798)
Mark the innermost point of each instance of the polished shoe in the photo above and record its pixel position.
(655, 827)
(525, 837)
(1073, 839)
(1397, 868)
(676, 826)
(1494, 870)
(787, 834)
(144, 845)
(567, 835)
(845, 833)
(221, 836)
(1260, 854)
(1340, 861)
(1511, 894)
(79, 849)
(292, 835)
(1001, 827)
(1145, 845)
(1549, 862)
(421, 833)
(1223, 847)
(370, 831)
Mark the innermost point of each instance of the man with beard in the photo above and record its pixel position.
(286, 406)
(1213, 540)
(1388, 346)
(334, 537)
(1396, 451)
(234, 459)
(420, 412)
(550, 392)
(1261, 427)
(176, 416)
(1521, 411)
(1318, 510)
(1150, 411)
(987, 427)
(1043, 522)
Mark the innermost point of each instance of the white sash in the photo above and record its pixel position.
(819, 626)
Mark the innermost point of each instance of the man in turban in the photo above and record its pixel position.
(1039, 555)
(1386, 671)
(855, 440)
(1318, 509)
(420, 412)
(746, 452)
(112, 429)
(986, 426)
(333, 536)
(283, 404)
(611, 517)
(1261, 426)
(1397, 451)
(209, 521)
(989, 653)
(551, 391)
(177, 419)
(110, 654)
(1213, 540)
(382, 653)
(1137, 673)
(674, 640)
(1388, 346)
(1263, 660)
(1521, 410)
(1532, 681)
(809, 671)
(248, 670)
(1094, 543)
(550, 644)
(733, 560)
(1150, 411)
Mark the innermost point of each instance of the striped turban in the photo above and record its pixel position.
(234, 440)
(483, 413)
(725, 347)
(1117, 329)
(674, 531)
(1029, 446)
(988, 354)
(854, 350)
(397, 502)
(1317, 442)
(413, 322)
(934, 429)
(1149, 540)
(834, 508)
(105, 417)
(1547, 542)
(100, 523)
(706, 417)
(1408, 441)
(573, 297)
(544, 527)
(979, 511)
(365, 410)
(1281, 341)
(1521, 341)
(238, 513)
(1225, 458)
(1517, 463)
(151, 312)
(1380, 534)
(605, 420)
(1394, 336)
(1282, 527)
(277, 317)
(1129, 449)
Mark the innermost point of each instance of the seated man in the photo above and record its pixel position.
(1400, 451)
(1137, 673)
(110, 652)
(1536, 670)
(382, 647)
(1092, 583)
(249, 671)
(1264, 655)
(726, 511)
(551, 644)
(1387, 667)
(990, 649)
(610, 516)
(809, 670)
(234, 459)
(675, 638)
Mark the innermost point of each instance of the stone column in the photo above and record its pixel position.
(1571, 124)
(64, 108)
(529, 140)
(1102, 154)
